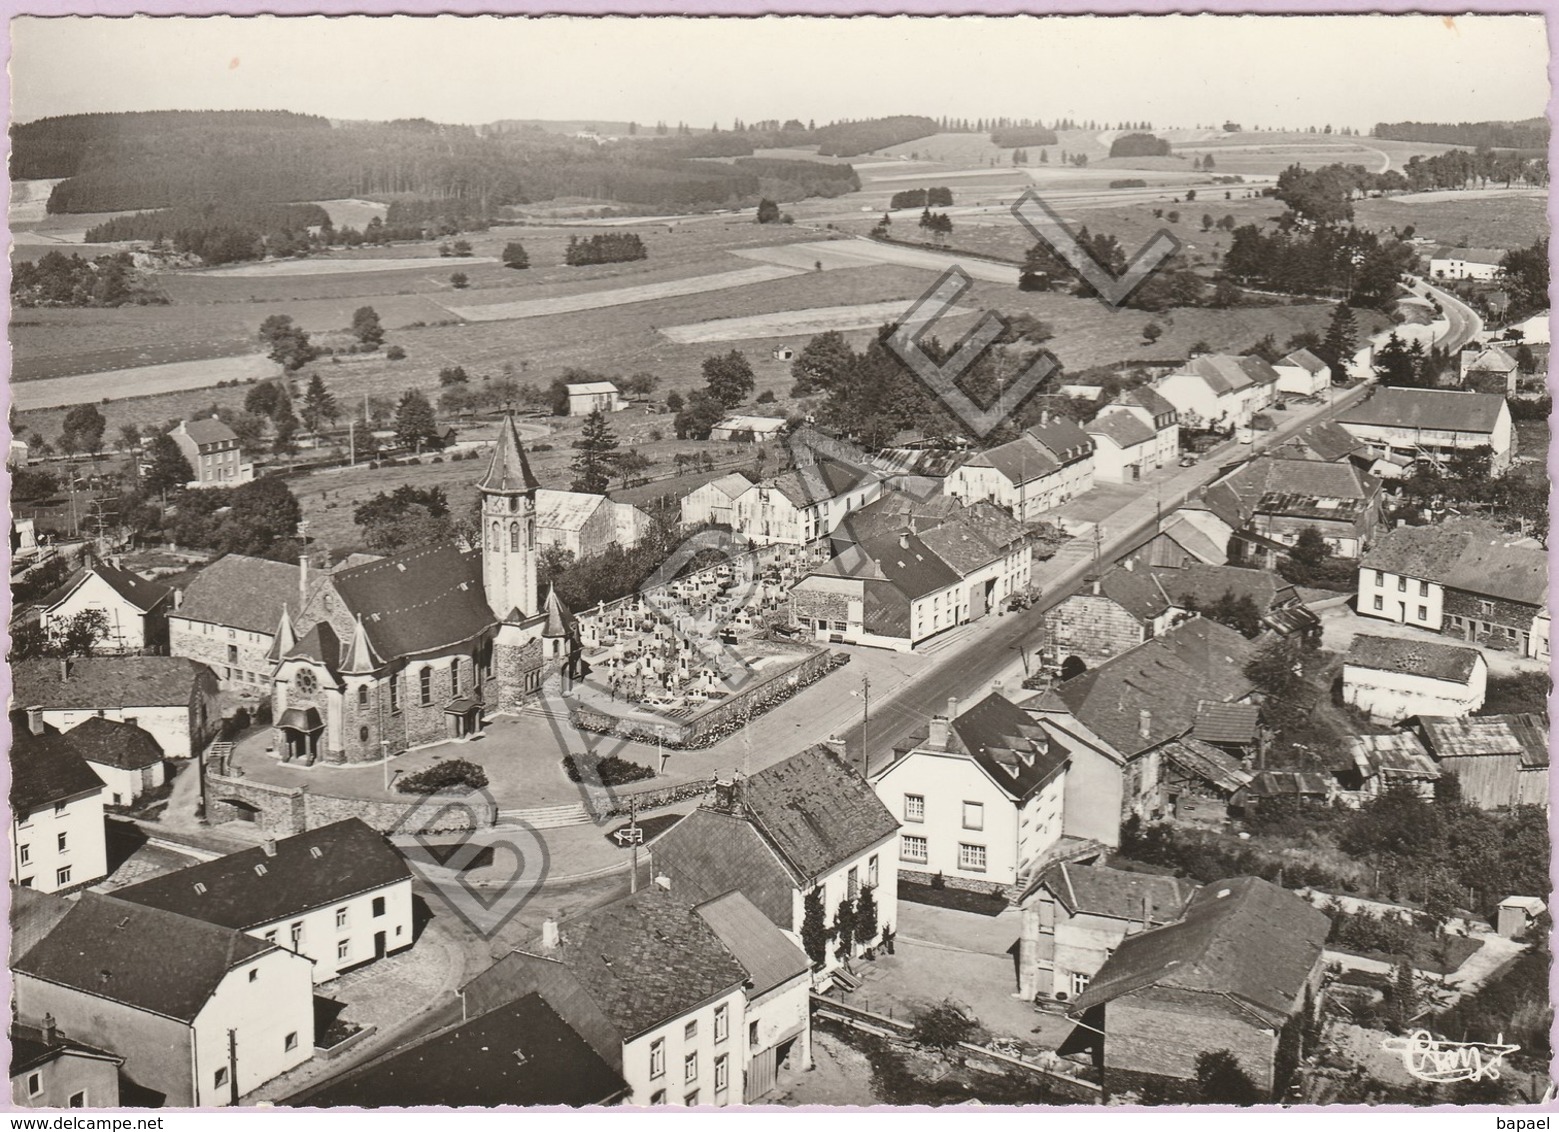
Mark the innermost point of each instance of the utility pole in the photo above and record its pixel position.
(232, 1065)
(866, 715)
(633, 840)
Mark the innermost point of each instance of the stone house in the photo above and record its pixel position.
(173, 699)
(213, 452)
(1271, 501)
(228, 615)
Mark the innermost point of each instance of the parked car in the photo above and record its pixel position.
(1188, 460)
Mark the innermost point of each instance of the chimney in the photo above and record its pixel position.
(549, 934)
(727, 796)
(1130, 563)
(997, 687)
(1144, 723)
(64, 668)
(269, 845)
(50, 1030)
(940, 734)
(663, 882)
(303, 580)
(35, 720)
(904, 540)
(178, 599)
(837, 746)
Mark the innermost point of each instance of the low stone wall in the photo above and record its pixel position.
(285, 811)
(963, 884)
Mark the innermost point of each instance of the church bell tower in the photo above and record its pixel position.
(509, 529)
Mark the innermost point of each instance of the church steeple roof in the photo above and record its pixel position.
(359, 656)
(560, 622)
(509, 470)
(286, 637)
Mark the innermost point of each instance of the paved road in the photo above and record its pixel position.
(1465, 325)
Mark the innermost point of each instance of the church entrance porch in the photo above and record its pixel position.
(298, 734)
(463, 717)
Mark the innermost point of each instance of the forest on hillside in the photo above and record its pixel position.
(1529, 134)
(143, 162)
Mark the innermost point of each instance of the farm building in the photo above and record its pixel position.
(1271, 501)
(714, 502)
(1432, 424)
(1392, 678)
(1516, 914)
(1498, 760)
(1383, 761)
(228, 616)
(750, 430)
(586, 525)
(1466, 263)
(586, 397)
(174, 699)
(804, 505)
(1489, 369)
(1302, 374)
(1048, 465)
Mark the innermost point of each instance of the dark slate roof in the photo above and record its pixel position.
(110, 743)
(420, 601)
(816, 810)
(561, 621)
(818, 481)
(241, 592)
(1245, 938)
(1204, 585)
(509, 469)
(136, 590)
(142, 957)
(1327, 441)
(1288, 486)
(521, 1053)
(1448, 410)
(767, 953)
(647, 958)
(105, 681)
(1146, 397)
(1099, 890)
(209, 430)
(45, 770)
(320, 643)
(1468, 555)
(1006, 743)
(1305, 360)
(1412, 657)
(1285, 784)
(29, 1050)
(884, 610)
(1135, 591)
(962, 546)
(33, 916)
(913, 568)
(1023, 460)
(351, 859)
(709, 853)
(1260, 370)
(1166, 677)
(1123, 428)
(1232, 724)
(1062, 437)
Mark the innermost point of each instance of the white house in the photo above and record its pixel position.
(1048, 465)
(714, 502)
(58, 840)
(1124, 447)
(748, 429)
(1431, 424)
(806, 826)
(213, 452)
(981, 797)
(127, 759)
(649, 985)
(1392, 678)
(1302, 374)
(586, 397)
(1466, 263)
(174, 997)
(173, 699)
(135, 610)
(1219, 391)
(803, 505)
(339, 895)
(584, 524)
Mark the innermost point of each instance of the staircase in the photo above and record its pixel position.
(546, 817)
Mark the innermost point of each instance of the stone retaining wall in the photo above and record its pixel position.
(285, 811)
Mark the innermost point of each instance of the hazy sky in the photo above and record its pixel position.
(1178, 70)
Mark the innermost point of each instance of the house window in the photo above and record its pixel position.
(254, 974)
(395, 693)
(691, 1100)
(1485, 609)
(1079, 983)
(232, 654)
(690, 1068)
(1423, 589)
(297, 934)
(1423, 613)
(343, 949)
(971, 857)
(914, 807)
(1380, 602)
(270, 936)
(62, 842)
(59, 807)
(722, 1022)
(219, 1078)
(722, 1073)
(34, 1084)
(871, 871)
(362, 696)
(378, 905)
(1401, 585)
(658, 1096)
(62, 876)
(1380, 578)
(853, 884)
(690, 1031)
(752, 1035)
(340, 917)
(974, 815)
(658, 1059)
(26, 854)
(912, 848)
(425, 686)
(290, 1042)
(78, 1100)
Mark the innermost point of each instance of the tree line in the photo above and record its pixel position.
(1139, 145)
(939, 197)
(604, 247)
(1531, 133)
(60, 280)
(1010, 137)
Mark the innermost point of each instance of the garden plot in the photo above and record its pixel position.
(863, 316)
(340, 266)
(620, 296)
(139, 381)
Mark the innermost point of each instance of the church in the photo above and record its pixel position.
(414, 648)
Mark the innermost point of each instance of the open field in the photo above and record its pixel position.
(319, 265)
(794, 324)
(1476, 218)
(350, 213)
(622, 296)
(30, 200)
(141, 381)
